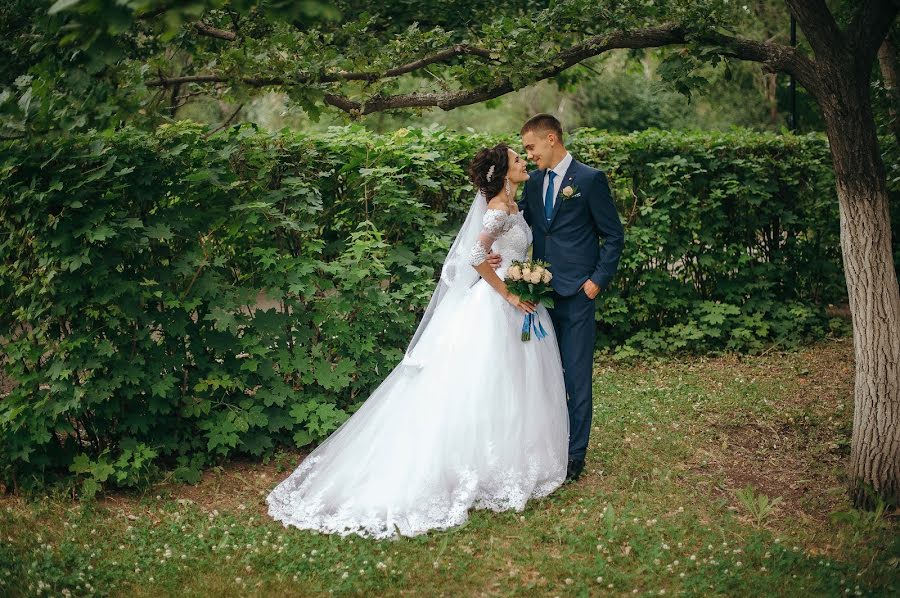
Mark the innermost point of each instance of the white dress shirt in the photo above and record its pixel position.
(560, 170)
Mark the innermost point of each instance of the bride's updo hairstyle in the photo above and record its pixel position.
(489, 162)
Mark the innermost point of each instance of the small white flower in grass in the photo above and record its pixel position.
(344, 575)
(238, 580)
(599, 580)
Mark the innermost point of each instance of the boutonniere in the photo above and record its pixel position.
(570, 192)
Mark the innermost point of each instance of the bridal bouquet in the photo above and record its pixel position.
(530, 280)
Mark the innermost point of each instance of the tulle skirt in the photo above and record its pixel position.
(479, 420)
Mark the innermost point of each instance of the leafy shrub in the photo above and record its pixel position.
(173, 299)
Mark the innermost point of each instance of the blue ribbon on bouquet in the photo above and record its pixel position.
(532, 320)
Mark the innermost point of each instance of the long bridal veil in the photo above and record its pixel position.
(457, 274)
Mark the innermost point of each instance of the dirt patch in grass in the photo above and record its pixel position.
(797, 450)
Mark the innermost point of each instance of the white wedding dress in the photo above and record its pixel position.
(473, 417)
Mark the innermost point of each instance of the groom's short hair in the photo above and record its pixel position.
(543, 123)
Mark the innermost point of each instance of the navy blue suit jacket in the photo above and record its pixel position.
(570, 242)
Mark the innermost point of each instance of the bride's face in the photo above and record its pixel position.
(517, 171)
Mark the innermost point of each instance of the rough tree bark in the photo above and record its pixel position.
(843, 67)
(872, 288)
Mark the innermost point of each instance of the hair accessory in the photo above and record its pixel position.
(490, 173)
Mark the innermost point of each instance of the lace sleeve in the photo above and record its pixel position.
(493, 221)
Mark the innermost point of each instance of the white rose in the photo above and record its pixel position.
(535, 277)
(546, 276)
(514, 273)
(538, 269)
(526, 272)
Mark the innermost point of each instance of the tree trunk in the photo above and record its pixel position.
(872, 287)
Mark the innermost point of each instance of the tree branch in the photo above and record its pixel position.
(439, 56)
(226, 123)
(209, 31)
(776, 57)
(869, 27)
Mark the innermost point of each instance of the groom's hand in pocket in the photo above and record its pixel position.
(494, 260)
(590, 289)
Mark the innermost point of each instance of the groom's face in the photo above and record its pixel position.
(539, 146)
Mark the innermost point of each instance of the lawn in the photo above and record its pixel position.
(705, 476)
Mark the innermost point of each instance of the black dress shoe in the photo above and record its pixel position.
(574, 469)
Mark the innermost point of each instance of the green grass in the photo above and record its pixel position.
(682, 454)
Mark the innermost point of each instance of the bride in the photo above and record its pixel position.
(473, 417)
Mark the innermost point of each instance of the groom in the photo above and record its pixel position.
(570, 208)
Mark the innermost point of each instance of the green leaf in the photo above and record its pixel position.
(60, 5)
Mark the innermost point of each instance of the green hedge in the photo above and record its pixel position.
(131, 265)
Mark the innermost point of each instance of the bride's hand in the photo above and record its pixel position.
(517, 302)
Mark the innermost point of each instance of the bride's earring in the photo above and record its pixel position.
(508, 189)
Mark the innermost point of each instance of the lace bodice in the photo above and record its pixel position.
(508, 234)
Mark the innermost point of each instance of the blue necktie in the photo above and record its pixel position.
(548, 198)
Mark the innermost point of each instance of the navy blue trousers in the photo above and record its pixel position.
(576, 330)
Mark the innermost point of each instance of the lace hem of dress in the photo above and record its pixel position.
(510, 492)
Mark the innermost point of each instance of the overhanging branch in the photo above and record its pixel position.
(204, 29)
(776, 57)
(439, 56)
